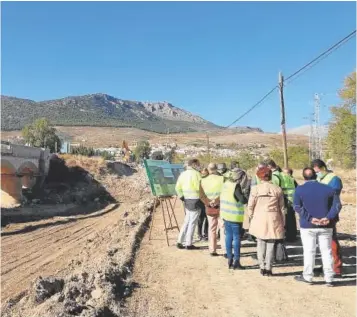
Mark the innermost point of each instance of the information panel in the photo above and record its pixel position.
(162, 176)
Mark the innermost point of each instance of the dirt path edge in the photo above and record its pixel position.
(94, 293)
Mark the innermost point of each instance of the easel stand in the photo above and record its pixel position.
(168, 210)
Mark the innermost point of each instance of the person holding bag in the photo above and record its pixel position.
(212, 187)
(266, 211)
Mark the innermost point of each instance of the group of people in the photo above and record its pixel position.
(263, 210)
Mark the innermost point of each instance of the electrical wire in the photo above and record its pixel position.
(300, 71)
(333, 47)
(254, 106)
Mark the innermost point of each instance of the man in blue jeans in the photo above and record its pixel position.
(232, 203)
(318, 205)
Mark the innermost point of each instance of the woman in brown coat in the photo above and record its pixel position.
(266, 211)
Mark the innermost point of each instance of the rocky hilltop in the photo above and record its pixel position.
(102, 110)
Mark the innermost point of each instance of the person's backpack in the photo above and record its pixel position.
(281, 254)
(246, 190)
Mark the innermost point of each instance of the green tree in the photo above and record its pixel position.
(42, 134)
(298, 156)
(341, 139)
(107, 155)
(142, 151)
(83, 150)
(247, 160)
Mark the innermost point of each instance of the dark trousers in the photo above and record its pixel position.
(290, 224)
(202, 226)
(336, 253)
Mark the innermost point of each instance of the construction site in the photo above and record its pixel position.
(160, 159)
(80, 247)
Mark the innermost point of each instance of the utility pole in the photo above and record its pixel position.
(311, 135)
(310, 120)
(317, 127)
(316, 142)
(282, 111)
(167, 139)
(208, 152)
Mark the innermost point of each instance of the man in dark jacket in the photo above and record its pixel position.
(328, 178)
(317, 204)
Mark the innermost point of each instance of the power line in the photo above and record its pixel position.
(256, 105)
(307, 66)
(337, 45)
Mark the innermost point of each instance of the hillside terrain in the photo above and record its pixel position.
(114, 136)
(101, 110)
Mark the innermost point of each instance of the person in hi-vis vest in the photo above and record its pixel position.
(288, 186)
(328, 178)
(276, 174)
(189, 190)
(212, 186)
(232, 203)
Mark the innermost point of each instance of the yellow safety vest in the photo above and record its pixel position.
(212, 186)
(226, 175)
(188, 184)
(288, 186)
(230, 209)
(326, 179)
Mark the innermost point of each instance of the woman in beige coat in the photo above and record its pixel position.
(266, 211)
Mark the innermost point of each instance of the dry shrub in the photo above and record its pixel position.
(96, 166)
(119, 186)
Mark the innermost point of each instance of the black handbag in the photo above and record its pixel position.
(281, 254)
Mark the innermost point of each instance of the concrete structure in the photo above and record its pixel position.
(21, 167)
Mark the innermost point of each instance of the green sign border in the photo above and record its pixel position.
(150, 176)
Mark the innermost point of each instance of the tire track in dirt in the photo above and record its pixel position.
(49, 250)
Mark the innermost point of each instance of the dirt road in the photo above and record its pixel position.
(172, 282)
(51, 247)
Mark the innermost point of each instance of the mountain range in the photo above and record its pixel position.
(103, 110)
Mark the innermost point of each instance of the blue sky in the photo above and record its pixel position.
(215, 59)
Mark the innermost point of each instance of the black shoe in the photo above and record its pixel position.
(300, 278)
(225, 256)
(230, 263)
(318, 271)
(237, 265)
(263, 272)
(192, 247)
(214, 254)
(179, 246)
(269, 273)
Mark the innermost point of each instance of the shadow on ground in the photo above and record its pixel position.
(295, 258)
(56, 223)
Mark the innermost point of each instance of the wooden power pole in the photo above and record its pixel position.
(208, 152)
(282, 111)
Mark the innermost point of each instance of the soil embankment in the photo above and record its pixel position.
(75, 262)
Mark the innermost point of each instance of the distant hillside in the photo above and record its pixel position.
(101, 110)
(305, 130)
(246, 129)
